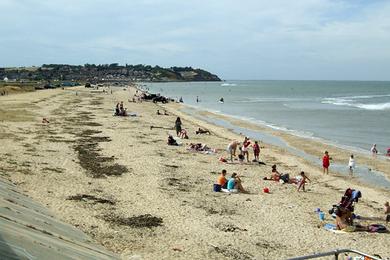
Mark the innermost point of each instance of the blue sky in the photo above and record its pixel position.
(248, 39)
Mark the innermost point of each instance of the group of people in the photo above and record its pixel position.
(233, 184)
(244, 150)
(120, 110)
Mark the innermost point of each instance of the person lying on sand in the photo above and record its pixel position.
(202, 131)
(172, 141)
(234, 183)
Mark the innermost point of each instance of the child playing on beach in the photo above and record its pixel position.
(326, 162)
(303, 181)
(256, 151)
(374, 151)
(387, 211)
(351, 164)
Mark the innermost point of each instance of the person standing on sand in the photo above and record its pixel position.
(303, 181)
(351, 164)
(232, 147)
(245, 148)
(178, 126)
(256, 151)
(326, 162)
(374, 151)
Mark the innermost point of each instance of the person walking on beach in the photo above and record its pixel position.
(351, 164)
(374, 151)
(256, 151)
(178, 126)
(303, 181)
(326, 162)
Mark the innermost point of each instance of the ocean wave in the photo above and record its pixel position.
(228, 84)
(353, 101)
(271, 99)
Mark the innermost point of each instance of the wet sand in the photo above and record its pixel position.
(117, 180)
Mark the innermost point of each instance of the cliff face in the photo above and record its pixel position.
(111, 72)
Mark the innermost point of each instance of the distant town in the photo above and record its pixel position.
(56, 75)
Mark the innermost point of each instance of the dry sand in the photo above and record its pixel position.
(118, 181)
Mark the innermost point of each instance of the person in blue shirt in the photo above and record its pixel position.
(234, 183)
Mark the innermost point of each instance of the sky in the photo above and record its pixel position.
(247, 39)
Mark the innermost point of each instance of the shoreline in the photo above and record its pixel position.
(162, 205)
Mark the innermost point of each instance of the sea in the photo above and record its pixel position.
(348, 114)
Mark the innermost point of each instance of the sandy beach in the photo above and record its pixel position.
(117, 180)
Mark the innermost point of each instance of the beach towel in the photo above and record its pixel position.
(229, 191)
(332, 228)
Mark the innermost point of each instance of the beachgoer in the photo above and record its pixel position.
(303, 181)
(234, 183)
(388, 152)
(374, 151)
(221, 100)
(181, 100)
(171, 141)
(222, 179)
(197, 99)
(241, 157)
(158, 112)
(232, 147)
(351, 164)
(202, 131)
(245, 148)
(275, 174)
(183, 134)
(165, 113)
(326, 162)
(344, 219)
(178, 126)
(256, 151)
(386, 209)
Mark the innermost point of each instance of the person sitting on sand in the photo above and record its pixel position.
(202, 131)
(165, 113)
(234, 183)
(303, 181)
(171, 141)
(183, 134)
(117, 109)
(275, 174)
(222, 179)
(386, 209)
(232, 147)
(344, 219)
(158, 112)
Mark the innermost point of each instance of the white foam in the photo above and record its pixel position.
(228, 84)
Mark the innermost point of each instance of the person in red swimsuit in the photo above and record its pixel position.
(326, 162)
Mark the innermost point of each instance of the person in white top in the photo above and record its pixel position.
(351, 164)
(374, 151)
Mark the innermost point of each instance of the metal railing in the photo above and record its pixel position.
(335, 253)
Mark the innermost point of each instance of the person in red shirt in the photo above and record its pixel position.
(256, 151)
(326, 162)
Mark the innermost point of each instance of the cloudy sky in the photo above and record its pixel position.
(248, 39)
